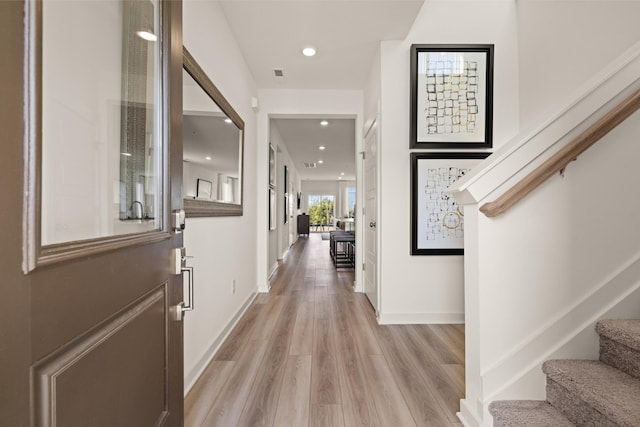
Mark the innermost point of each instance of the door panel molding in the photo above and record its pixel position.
(51, 254)
(61, 384)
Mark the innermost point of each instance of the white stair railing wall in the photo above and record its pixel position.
(539, 276)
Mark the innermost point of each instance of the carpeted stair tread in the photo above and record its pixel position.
(624, 331)
(527, 413)
(608, 390)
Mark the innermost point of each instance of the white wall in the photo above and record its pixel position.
(282, 237)
(275, 139)
(431, 289)
(224, 248)
(276, 103)
(372, 92)
(556, 58)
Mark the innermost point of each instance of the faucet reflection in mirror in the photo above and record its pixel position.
(213, 141)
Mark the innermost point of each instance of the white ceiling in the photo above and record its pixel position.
(304, 136)
(207, 135)
(346, 33)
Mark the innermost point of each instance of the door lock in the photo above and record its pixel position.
(178, 220)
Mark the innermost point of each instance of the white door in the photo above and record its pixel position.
(371, 215)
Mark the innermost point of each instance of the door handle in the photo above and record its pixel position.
(372, 224)
(189, 306)
(181, 308)
(178, 267)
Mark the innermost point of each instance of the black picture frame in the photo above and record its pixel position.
(451, 96)
(272, 166)
(272, 209)
(286, 194)
(437, 222)
(204, 188)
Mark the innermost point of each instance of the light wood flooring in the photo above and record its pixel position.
(310, 353)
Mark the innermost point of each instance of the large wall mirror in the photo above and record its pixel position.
(213, 147)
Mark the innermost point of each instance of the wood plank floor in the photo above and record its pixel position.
(310, 353)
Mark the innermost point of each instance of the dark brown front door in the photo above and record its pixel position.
(89, 328)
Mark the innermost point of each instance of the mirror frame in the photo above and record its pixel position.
(204, 208)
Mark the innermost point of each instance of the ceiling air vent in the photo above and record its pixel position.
(309, 164)
(278, 72)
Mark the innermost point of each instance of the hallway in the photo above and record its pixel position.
(310, 353)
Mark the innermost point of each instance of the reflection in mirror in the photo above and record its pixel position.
(211, 144)
(212, 147)
(101, 120)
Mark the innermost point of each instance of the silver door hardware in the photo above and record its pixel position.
(178, 220)
(179, 267)
(372, 224)
(178, 311)
(189, 306)
(178, 259)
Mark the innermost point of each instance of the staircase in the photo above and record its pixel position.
(603, 392)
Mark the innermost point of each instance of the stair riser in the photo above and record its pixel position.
(620, 356)
(572, 407)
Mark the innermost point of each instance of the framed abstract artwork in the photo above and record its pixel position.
(437, 221)
(451, 96)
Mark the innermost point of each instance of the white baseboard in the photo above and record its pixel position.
(192, 376)
(467, 416)
(273, 269)
(420, 318)
(357, 286)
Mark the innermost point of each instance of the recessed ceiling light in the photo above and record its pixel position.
(322, 147)
(321, 161)
(342, 173)
(324, 123)
(308, 51)
(227, 120)
(208, 158)
(126, 154)
(147, 35)
(339, 177)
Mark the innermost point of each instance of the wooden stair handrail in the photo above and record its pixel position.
(559, 161)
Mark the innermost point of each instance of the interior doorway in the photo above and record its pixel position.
(319, 155)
